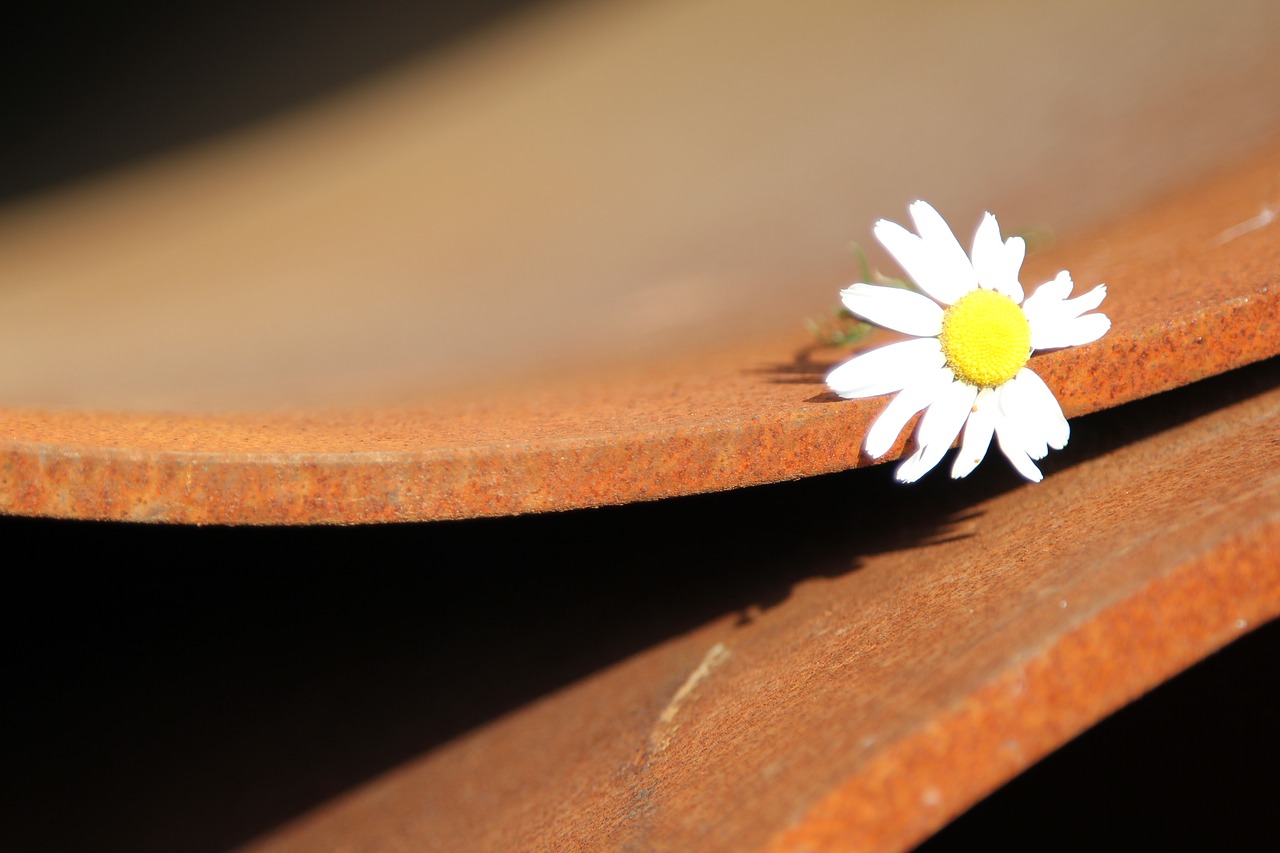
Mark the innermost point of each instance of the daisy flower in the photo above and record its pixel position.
(972, 334)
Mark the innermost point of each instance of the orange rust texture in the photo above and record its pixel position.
(1185, 304)
(891, 691)
(913, 788)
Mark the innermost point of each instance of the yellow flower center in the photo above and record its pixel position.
(986, 338)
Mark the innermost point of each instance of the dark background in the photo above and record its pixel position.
(85, 87)
(187, 689)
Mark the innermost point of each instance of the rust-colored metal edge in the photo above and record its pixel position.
(903, 680)
(914, 788)
(1193, 292)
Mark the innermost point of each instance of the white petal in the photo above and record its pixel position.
(988, 252)
(938, 430)
(1014, 251)
(1049, 293)
(942, 242)
(886, 369)
(994, 262)
(916, 260)
(977, 434)
(1049, 312)
(942, 423)
(1057, 322)
(894, 308)
(1039, 404)
(933, 260)
(912, 468)
(1008, 441)
(1017, 249)
(914, 397)
(1018, 421)
(1053, 333)
(1086, 301)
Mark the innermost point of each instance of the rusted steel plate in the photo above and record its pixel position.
(1193, 292)
(909, 673)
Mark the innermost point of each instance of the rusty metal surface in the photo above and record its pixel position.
(911, 671)
(1189, 297)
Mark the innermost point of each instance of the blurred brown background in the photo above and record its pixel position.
(321, 205)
